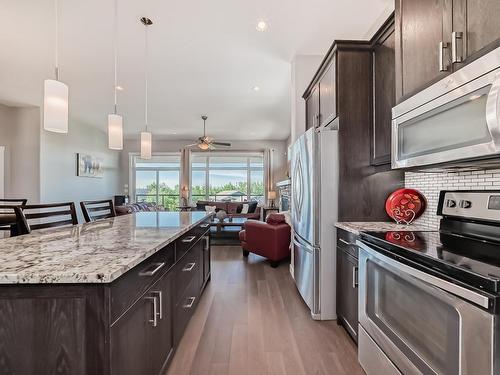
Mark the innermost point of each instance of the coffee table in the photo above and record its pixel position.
(227, 231)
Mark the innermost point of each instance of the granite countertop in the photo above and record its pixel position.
(97, 252)
(379, 226)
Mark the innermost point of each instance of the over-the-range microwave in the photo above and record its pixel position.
(454, 122)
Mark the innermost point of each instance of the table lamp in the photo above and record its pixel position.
(271, 195)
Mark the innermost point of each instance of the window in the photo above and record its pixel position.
(228, 177)
(157, 180)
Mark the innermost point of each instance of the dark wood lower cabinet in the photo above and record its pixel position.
(84, 329)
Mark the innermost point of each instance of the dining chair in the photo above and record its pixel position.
(7, 213)
(96, 210)
(42, 216)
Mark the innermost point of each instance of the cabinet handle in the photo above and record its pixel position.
(154, 320)
(442, 47)
(190, 303)
(188, 267)
(150, 272)
(205, 225)
(159, 293)
(456, 39)
(207, 243)
(188, 239)
(354, 277)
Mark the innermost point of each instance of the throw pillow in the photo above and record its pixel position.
(210, 208)
(275, 219)
(239, 208)
(245, 207)
(200, 206)
(252, 206)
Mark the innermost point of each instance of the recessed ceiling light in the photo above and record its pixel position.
(261, 25)
(119, 88)
(256, 88)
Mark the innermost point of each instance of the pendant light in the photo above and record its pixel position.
(55, 93)
(115, 121)
(146, 137)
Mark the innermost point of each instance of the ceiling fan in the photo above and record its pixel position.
(205, 142)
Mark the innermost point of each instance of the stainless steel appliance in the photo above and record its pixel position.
(314, 166)
(429, 301)
(453, 121)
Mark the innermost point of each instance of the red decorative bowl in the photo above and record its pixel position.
(405, 205)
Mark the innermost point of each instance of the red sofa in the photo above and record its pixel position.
(270, 239)
(231, 208)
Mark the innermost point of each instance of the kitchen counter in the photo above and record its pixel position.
(356, 227)
(97, 252)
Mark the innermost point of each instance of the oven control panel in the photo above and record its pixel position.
(481, 205)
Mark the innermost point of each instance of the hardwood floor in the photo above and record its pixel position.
(251, 320)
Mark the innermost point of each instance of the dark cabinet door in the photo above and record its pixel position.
(312, 108)
(476, 29)
(327, 97)
(129, 340)
(161, 336)
(384, 96)
(347, 292)
(422, 28)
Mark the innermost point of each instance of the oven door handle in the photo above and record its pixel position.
(493, 111)
(457, 290)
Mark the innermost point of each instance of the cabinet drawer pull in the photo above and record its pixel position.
(443, 67)
(205, 225)
(152, 269)
(456, 50)
(188, 267)
(354, 277)
(188, 239)
(190, 303)
(347, 243)
(154, 320)
(160, 302)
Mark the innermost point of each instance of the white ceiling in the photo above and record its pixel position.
(205, 57)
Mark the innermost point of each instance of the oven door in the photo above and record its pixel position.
(418, 321)
(454, 120)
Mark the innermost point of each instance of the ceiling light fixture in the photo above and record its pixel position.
(256, 88)
(261, 25)
(119, 88)
(115, 121)
(55, 93)
(146, 137)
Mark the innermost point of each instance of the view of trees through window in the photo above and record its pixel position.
(232, 177)
(158, 180)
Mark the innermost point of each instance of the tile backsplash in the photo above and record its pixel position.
(430, 184)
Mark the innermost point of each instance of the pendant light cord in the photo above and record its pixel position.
(115, 48)
(56, 39)
(146, 74)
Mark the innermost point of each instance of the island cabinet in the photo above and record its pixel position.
(437, 37)
(347, 282)
(129, 326)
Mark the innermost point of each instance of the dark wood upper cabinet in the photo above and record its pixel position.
(327, 97)
(312, 108)
(421, 28)
(437, 37)
(384, 92)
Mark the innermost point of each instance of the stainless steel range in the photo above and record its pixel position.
(429, 301)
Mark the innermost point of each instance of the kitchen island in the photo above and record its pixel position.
(108, 297)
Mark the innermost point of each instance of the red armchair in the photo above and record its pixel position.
(270, 239)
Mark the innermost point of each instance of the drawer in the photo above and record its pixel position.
(346, 241)
(186, 241)
(185, 309)
(132, 285)
(189, 268)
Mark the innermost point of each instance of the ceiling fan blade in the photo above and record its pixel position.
(221, 144)
(211, 147)
(192, 145)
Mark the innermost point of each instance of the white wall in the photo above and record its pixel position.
(20, 134)
(58, 166)
(279, 167)
(303, 69)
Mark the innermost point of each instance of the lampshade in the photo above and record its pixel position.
(55, 106)
(115, 132)
(185, 192)
(271, 194)
(145, 145)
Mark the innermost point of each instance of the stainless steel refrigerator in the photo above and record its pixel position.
(314, 166)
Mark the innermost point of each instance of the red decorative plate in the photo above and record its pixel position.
(405, 205)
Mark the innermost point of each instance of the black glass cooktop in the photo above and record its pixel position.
(475, 262)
